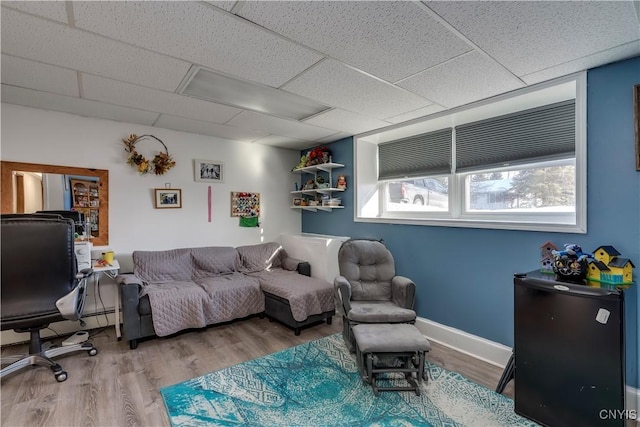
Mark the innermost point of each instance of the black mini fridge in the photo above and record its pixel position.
(569, 352)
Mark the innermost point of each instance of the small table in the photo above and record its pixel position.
(401, 342)
(111, 271)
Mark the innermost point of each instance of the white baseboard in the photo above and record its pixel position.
(464, 342)
(489, 351)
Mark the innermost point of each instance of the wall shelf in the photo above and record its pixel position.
(324, 168)
(317, 208)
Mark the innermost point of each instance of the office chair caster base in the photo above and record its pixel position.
(61, 376)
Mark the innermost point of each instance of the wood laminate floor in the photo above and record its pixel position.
(120, 387)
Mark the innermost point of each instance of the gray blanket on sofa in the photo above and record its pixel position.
(196, 287)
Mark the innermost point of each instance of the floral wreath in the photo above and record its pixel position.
(161, 162)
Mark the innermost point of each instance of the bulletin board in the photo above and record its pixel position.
(245, 204)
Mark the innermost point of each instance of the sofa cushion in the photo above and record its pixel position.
(231, 296)
(214, 261)
(163, 266)
(176, 306)
(261, 257)
(306, 295)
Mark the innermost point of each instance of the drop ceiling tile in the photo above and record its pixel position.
(201, 34)
(420, 112)
(619, 53)
(35, 75)
(278, 126)
(381, 38)
(56, 10)
(207, 128)
(119, 93)
(67, 47)
(333, 83)
(283, 142)
(531, 36)
(81, 107)
(331, 138)
(468, 78)
(346, 121)
(226, 5)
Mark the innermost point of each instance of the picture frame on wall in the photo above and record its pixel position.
(208, 171)
(168, 198)
(636, 122)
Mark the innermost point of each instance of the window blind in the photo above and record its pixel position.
(419, 155)
(542, 133)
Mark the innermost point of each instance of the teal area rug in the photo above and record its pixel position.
(317, 384)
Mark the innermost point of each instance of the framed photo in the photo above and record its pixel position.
(636, 121)
(167, 198)
(208, 170)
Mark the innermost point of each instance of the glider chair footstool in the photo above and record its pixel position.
(391, 348)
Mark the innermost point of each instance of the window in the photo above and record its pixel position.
(515, 162)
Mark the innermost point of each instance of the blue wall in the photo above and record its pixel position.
(464, 275)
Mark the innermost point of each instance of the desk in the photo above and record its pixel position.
(111, 271)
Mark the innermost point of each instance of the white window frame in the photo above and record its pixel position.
(369, 195)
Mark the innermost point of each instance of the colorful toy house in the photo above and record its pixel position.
(609, 267)
(546, 257)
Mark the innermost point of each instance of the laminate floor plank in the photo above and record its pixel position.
(121, 387)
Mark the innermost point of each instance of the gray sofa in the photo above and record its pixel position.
(173, 290)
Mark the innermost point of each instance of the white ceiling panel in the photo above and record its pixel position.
(71, 48)
(56, 10)
(331, 138)
(226, 5)
(420, 112)
(628, 50)
(81, 107)
(207, 128)
(389, 39)
(119, 93)
(346, 121)
(278, 126)
(283, 141)
(462, 80)
(531, 36)
(247, 50)
(24, 73)
(370, 62)
(333, 83)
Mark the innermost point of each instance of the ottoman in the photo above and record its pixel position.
(391, 348)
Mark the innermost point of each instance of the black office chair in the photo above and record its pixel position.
(40, 285)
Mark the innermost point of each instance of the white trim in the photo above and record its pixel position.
(369, 196)
(464, 342)
(491, 352)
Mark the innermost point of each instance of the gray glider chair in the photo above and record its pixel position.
(40, 285)
(368, 290)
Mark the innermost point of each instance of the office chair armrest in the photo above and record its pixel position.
(403, 291)
(71, 305)
(84, 273)
(342, 289)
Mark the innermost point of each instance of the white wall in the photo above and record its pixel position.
(41, 136)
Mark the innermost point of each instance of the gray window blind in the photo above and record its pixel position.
(542, 133)
(419, 155)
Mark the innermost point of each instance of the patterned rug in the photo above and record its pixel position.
(317, 384)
